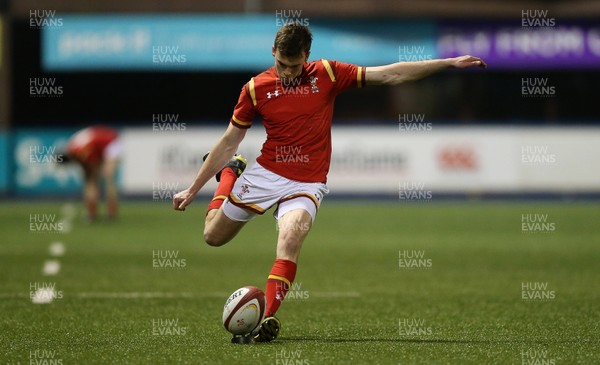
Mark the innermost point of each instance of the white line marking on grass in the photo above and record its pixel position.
(51, 267)
(133, 295)
(57, 249)
(172, 295)
(66, 224)
(138, 295)
(335, 294)
(43, 296)
(120, 295)
(69, 210)
(68, 214)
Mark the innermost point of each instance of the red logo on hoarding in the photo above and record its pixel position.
(457, 158)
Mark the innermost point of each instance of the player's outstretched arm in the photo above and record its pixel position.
(400, 72)
(219, 155)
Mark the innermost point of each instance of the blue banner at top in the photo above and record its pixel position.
(218, 42)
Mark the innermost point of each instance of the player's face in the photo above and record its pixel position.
(289, 68)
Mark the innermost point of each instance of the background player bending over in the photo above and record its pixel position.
(97, 150)
(295, 101)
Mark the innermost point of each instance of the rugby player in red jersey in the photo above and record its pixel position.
(97, 150)
(295, 101)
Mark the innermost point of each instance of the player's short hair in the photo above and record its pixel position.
(293, 39)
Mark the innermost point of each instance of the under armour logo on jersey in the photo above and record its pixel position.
(271, 94)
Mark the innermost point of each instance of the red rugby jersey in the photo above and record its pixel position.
(297, 116)
(88, 144)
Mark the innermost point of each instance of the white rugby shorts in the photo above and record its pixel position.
(258, 189)
(113, 151)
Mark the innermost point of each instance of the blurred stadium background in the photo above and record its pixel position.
(167, 74)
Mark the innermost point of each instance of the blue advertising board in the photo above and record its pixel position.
(37, 154)
(4, 162)
(243, 42)
(220, 42)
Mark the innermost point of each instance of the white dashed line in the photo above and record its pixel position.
(57, 249)
(51, 267)
(43, 296)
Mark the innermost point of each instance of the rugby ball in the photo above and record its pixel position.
(244, 310)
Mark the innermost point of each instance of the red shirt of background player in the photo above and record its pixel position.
(87, 145)
(297, 117)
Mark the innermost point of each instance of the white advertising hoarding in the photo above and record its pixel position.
(378, 160)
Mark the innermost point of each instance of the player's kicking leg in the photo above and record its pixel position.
(293, 229)
(218, 228)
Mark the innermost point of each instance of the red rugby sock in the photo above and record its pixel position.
(113, 207)
(279, 282)
(92, 208)
(228, 178)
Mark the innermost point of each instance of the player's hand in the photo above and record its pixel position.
(468, 61)
(183, 199)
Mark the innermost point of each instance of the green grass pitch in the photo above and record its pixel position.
(377, 283)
